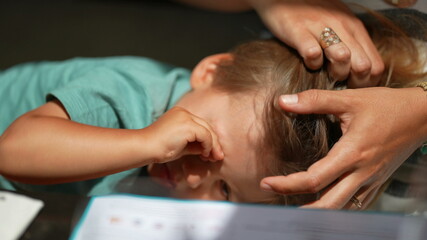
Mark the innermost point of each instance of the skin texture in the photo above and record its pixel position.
(355, 58)
(381, 128)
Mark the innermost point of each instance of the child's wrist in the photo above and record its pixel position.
(146, 147)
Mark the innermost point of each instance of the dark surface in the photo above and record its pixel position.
(35, 30)
(57, 217)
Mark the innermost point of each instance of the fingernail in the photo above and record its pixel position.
(289, 99)
(266, 187)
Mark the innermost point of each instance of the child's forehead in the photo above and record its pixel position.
(242, 125)
(248, 103)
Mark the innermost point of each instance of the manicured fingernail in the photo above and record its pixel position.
(266, 187)
(289, 99)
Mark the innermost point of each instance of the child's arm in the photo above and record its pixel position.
(44, 146)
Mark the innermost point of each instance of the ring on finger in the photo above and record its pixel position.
(328, 38)
(356, 202)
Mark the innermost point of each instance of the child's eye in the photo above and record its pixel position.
(225, 190)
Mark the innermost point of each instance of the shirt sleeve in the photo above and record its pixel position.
(106, 97)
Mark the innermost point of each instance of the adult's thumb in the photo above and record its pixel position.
(316, 102)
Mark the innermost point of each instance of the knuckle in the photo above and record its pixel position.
(361, 155)
(362, 67)
(358, 157)
(313, 184)
(354, 25)
(342, 54)
(170, 154)
(377, 68)
(312, 53)
(358, 23)
(311, 95)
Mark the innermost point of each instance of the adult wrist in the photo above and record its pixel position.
(423, 85)
(422, 108)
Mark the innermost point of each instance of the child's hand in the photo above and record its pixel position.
(178, 133)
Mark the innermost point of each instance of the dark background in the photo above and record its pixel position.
(35, 30)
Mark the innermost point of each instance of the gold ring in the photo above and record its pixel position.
(328, 38)
(356, 202)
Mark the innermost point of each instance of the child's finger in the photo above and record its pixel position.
(217, 153)
(203, 136)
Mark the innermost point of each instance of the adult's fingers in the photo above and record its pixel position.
(364, 198)
(370, 197)
(376, 63)
(348, 193)
(338, 195)
(360, 62)
(360, 69)
(318, 176)
(366, 62)
(355, 54)
(339, 56)
(317, 101)
(307, 46)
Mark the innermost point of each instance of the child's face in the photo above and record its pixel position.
(237, 177)
(237, 123)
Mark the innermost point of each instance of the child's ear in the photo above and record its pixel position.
(204, 72)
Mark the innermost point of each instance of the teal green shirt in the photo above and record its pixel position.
(115, 92)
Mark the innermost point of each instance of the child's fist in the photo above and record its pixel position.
(178, 133)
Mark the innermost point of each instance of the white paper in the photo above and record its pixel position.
(16, 213)
(129, 217)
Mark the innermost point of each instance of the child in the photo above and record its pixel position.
(112, 103)
(105, 118)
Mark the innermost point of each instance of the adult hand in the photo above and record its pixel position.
(178, 133)
(299, 24)
(381, 128)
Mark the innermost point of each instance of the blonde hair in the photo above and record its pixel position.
(297, 141)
